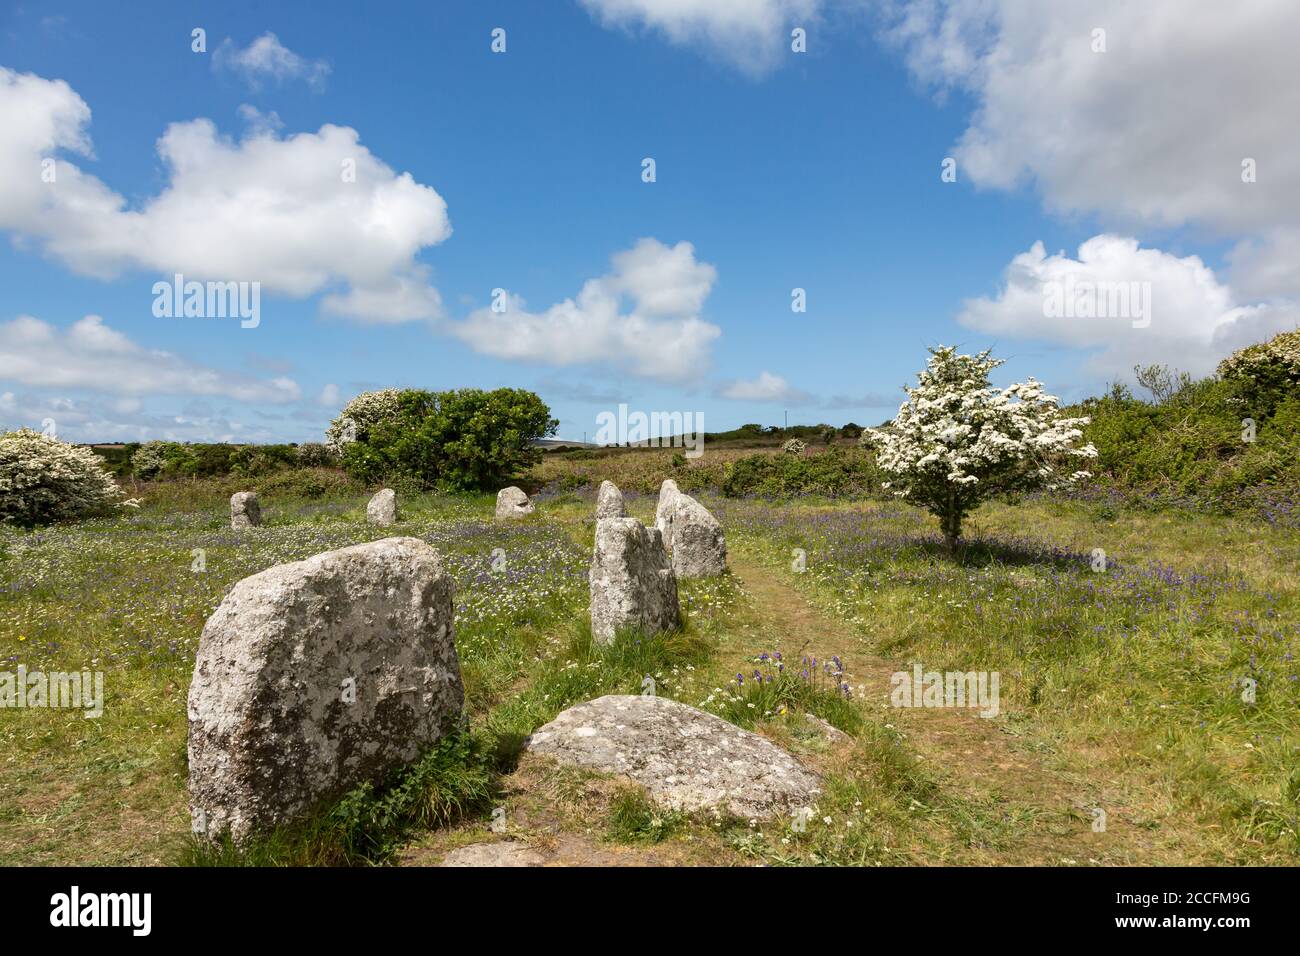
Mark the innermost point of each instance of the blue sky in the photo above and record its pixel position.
(775, 170)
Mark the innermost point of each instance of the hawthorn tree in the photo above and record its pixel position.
(959, 440)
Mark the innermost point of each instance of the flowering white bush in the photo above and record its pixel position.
(148, 459)
(367, 409)
(794, 447)
(313, 454)
(958, 440)
(43, 479)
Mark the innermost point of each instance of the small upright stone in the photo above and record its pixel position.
(699, 549)
(382, 509)
(513, 503)
(314, 677)
(632, 583)
(668, 493)
(245, 512)
(609, 502)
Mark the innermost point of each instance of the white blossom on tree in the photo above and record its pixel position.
(43, 479)
(361, 414)
(958, 440)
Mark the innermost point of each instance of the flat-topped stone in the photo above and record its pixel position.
(685, 758)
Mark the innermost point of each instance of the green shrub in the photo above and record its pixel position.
(457, 440)
(834, 473)
(314, 454)
(311, 483)
(1262, 376)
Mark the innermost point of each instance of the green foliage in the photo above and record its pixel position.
(456, 440)
(310, 483)
(1262, 376)
(1195, 444)
(834, 473)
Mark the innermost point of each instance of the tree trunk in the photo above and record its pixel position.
(951, 524)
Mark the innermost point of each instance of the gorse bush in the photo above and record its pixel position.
(43, 479)
(457, 440)
(836, 472)
(1197, 445)
(168, 459)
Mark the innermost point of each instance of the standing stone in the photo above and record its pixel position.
(513, 503)
(699, 549)
(664, 512)
(245, 512)
(382, 509)
(632, 584)
(316, 676)
(609, 502)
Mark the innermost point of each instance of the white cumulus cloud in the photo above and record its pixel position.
(767, 387)
(642, 318)
(301, 214)
(90, 355)
(266, 58)
(1190, 321)
(749, 34)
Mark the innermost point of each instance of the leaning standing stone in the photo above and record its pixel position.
(609, 502)
(382, 509)
(314, 677)
(513, 503)
(245, 512)
(632, 584)
(664, 512)
(699, 549)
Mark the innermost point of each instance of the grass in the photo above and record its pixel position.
(1120, 689)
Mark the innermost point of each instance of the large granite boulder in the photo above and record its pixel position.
(382, 509)
(245, 511)
(513, 503)
(609, 502)
(632, 584)
(315, 676)
(698, 547)
(685, 758)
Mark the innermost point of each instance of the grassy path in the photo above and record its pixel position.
(985, 761)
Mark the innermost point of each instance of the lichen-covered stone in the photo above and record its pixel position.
(609, 502)
(699, 549)
(315, 676)
(513, 503)
(382, 509)
(664, 511)
(685, 758)
(245, 511)
(632, 583)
